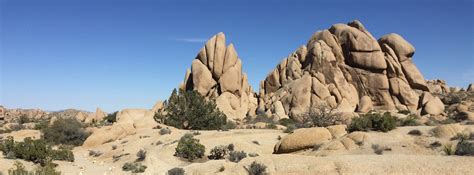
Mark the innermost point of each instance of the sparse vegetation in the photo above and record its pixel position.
(236, 156)
(135, 167)
(19, 169)
(189, 148)
(67, 131)
(373, 121)
(286, 122)
(290, 129)
(218, 152)
(164, 131)
(229, 125)
(230, 147)
(415, 132)
(410, 120)
(176, 171)
(256, 169)
(256, 142)
(95, 153)
(141, 155)
(189, 110)
(464, 147)
(380, 149)
(253, 154)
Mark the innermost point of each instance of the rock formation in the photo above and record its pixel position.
(438, 86)
(346, 68)
(216, 73)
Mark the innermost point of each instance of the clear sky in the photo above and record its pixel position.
(115, 54)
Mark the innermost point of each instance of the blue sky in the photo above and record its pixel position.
(115, 54)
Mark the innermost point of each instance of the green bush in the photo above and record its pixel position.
(415, 132)
(286, 122)
(218, 152)
(112, 117)
(236, 156)
(135, 167)
(189, 148)
(256, 169)
(37, 151)
(164, 131)
(410, 120)
(289, 129)
(23, 119)
(229, 125)
(67, 131)
(141, 155)
(373, 121)
(465, 147)
(190, 110)
(176, 171)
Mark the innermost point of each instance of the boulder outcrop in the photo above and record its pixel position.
(348, 69)
(216, 73)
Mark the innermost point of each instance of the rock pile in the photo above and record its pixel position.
(346, 68)
(216, 73)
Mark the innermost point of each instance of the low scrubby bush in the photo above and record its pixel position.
(373, 121)
(141, 155)
(465, 148)
(218, 152)
(289, 129)
(410, 120)
(190, 110)
(256, 169)
(189, 148)
(36, 151)
(164, 131)
(67, 131)
(286, 122)
(176, 171)
(236, 156)
(112, 117)
(19, 169)
(135, 167)
(415, 132)
(230, 147)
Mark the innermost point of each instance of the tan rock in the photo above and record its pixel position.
(219, 54)
(202, 77)
(301, 139)
(231, 80)
(337, 131)
(319, 89)
(434, 107)
(365, 104)
(230, 58)
(448, 131)
(403, 49)
(414, 76)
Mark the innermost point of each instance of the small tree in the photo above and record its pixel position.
(190, 110)
(189, 148)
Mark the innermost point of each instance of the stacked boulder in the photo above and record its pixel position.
(216, 74)
(346, 68)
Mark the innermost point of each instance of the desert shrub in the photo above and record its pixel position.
(271, 126)
(256, 169)
(23, 119)
(406, 112)
(447, 121)
(320, 116)
(256, 142)
(41, 124)
(164, 131)
(114, 147)
(196, 133)
(67, 131)
(190, 110)
(373, 121)
(37, 151)
(236, 156)
(135, 167)
(218, 152)
(112, 117)
(464, 148)
(415, 132)
(410, 120)
(141, 155)
(19, 169)
(176, 171)
(262, 117)
(95, 153)
(290, 129)
(189, 148)
(435, 144)
(230, 147)
(449, 149)
(253, 154)
(286, 122)
(229, 125)
(380, 149)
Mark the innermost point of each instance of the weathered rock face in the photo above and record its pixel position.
(437, 86)
(346, 68)
(216, 73)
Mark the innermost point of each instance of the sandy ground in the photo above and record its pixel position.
(408, 155)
